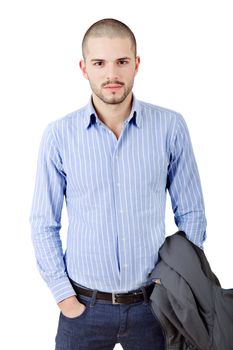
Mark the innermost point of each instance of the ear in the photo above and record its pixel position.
(82, 66)
(137, 63)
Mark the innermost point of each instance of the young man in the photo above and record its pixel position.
(112, 161)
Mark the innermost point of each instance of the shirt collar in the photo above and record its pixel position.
(90, 116)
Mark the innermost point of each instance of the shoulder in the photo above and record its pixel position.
(173, 120)
(66, 124)
(58, 132)
(153, 108)
(74, 117)
(155, 111)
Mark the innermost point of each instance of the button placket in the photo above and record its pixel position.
(118, 203)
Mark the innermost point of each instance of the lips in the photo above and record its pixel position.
(112, 86)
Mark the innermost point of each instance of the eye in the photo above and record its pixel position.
(98, 63)
(122, 62)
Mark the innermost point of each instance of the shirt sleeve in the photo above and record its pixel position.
(183, 183)
(45, 217)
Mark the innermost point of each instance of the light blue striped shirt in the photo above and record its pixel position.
(115, 193)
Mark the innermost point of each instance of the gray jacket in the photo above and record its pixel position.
(193, 309)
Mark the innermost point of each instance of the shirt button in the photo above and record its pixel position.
(118, 184)
(121, 211)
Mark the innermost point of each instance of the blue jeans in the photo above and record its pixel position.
(103, 325)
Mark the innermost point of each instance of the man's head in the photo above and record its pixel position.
(110, 28)
(109, 60)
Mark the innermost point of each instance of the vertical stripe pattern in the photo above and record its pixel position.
(115, 193)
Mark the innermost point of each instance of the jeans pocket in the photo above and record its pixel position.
(70, 319)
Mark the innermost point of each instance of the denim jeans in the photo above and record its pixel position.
(103, 324)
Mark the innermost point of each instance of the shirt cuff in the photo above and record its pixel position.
(61, 289)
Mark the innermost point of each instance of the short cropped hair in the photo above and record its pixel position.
(110, 28)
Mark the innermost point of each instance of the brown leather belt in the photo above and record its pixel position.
(117, 298)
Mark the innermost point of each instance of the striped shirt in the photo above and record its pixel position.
(115, 194)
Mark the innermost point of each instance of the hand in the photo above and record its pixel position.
(71, 307)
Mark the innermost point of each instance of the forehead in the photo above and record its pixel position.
(108, 48)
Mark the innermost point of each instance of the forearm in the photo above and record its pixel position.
(50, 262)
(184, 186)
(188, 203)
(194, 225)
(45, 218)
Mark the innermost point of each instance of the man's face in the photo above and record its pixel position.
(110, 66)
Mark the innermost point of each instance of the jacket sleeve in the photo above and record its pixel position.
(183, 183)
(45, 217)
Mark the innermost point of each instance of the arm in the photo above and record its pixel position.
(45, 218)
(183, 183)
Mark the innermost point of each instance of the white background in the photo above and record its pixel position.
(186, 65)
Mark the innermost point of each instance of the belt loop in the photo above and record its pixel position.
(93, 298)
(145, 295)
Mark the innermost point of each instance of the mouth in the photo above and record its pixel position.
(112, 87)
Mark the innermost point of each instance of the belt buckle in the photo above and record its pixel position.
(114, 299)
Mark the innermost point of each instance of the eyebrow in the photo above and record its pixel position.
(118, 59)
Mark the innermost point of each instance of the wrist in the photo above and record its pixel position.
(68, 302)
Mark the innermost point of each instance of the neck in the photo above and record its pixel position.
(113, 115)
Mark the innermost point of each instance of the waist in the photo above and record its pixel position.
(130, 297)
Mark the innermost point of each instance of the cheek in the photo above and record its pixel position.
(130, 72)
(129, 76)
(96, 77)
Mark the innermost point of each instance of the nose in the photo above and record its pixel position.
(112, 72)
